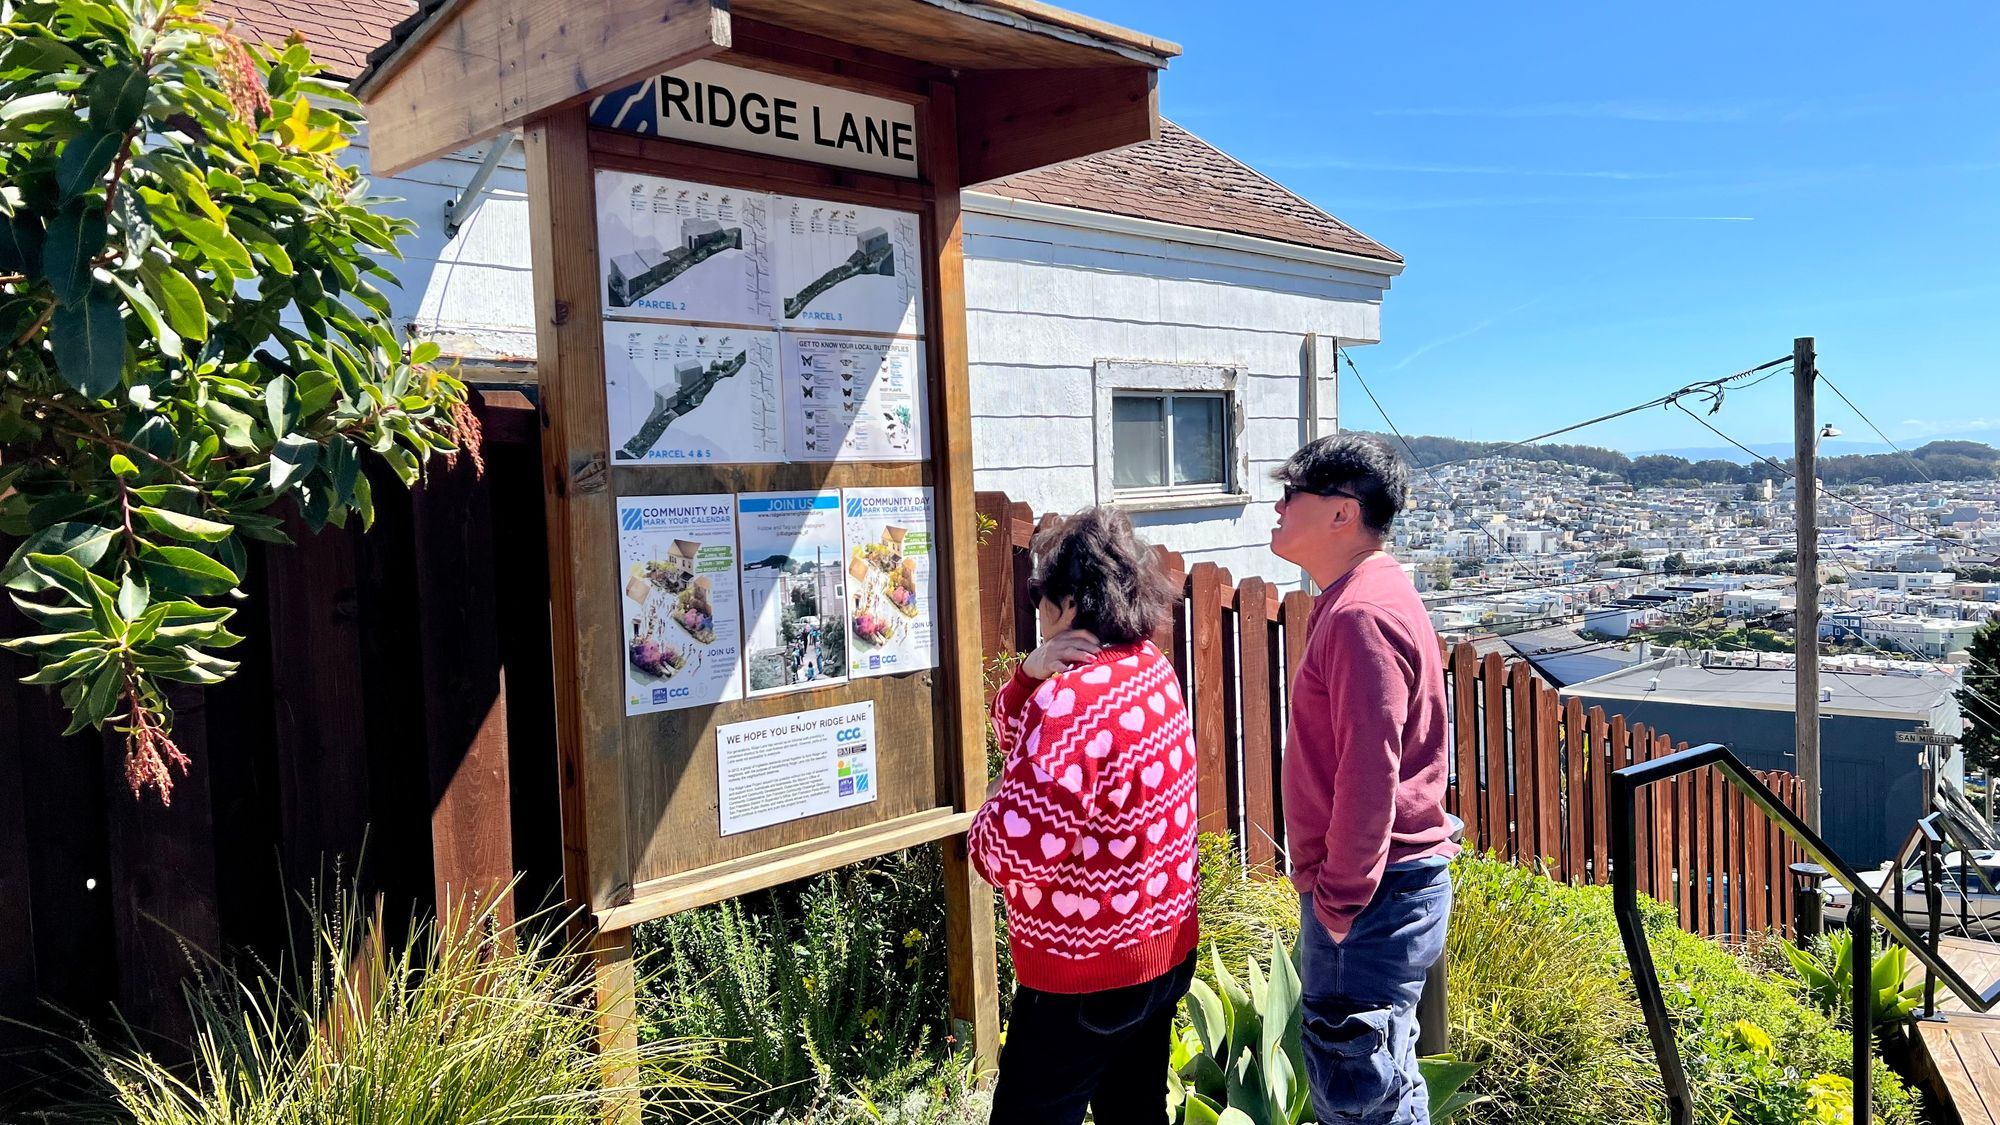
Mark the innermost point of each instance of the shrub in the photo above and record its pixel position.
(469, 1022)
(832, 991)
(1241, 910)
(1540, 999)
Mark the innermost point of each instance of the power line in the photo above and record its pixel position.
(1428, 470)
(1711, 389)
(1871, 425)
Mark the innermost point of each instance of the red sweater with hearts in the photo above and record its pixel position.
(1092, 831)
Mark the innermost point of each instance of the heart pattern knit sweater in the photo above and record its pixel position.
(1092, 831)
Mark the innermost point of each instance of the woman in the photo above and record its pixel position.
(1091, 832)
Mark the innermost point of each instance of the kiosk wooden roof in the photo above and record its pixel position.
(1036, 84)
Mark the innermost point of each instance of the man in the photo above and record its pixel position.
(1365, 770)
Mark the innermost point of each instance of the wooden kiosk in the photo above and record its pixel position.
(750, 316)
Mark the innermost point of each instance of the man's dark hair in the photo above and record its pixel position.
(1362, 466)
(1094, 557)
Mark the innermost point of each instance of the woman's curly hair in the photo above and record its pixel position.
(1094, 557)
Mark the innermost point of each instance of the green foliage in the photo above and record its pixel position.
(1979, 700)
(1761, 1090)
(192, 333)
(472, 1021)
(1541, 999)
(830, 989)
(1240, 1056)
(1712, 990)
(1827, 969)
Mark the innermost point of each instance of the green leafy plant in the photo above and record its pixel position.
(829, 989)
(471, 1021)
(1237, 1057)
(1827, 970)
(1242, 1056)
(1444, 1079)
(192, 333)
(1746, 1083)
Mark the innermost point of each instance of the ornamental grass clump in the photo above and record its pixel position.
(471, 1021)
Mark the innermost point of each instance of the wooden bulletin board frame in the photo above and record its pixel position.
(999, 87)
(639, 795)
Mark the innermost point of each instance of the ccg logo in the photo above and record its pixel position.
(851, 734)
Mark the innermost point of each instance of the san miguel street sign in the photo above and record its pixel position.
(1925, 736)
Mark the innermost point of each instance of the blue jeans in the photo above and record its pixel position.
(1360, 1000)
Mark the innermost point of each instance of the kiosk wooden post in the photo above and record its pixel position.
(855, 120)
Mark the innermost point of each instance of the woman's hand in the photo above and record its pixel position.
(1062, 652)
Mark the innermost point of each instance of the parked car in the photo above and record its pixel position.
(1978, 915)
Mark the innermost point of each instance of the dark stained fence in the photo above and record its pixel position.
(391, 724)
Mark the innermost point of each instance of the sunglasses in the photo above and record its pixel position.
(1293, 490)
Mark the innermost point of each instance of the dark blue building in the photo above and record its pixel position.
(1871, 785)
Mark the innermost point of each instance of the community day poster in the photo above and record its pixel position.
(769, 771)
(794, 590)
(672, 250)
(854, 398)
(683, 629)
(847, 268)
(892, 592)
(688, 395)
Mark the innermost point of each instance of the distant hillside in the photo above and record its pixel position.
(1940, 460)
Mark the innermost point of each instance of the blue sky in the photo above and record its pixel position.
(1600, 203)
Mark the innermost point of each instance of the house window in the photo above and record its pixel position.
(1169, 435)
(1176, 442)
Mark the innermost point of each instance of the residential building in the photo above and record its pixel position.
(1872, 785)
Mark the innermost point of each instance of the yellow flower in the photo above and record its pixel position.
(912, 938)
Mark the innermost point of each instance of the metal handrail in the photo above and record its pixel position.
(1625, 786)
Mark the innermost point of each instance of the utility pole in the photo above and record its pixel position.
(1805, 496)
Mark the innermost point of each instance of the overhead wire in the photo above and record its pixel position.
(1871, 425)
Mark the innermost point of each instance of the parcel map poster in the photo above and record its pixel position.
(892, 591)
(847, 268)
(672, 250)
(679, 590)
(682, 394)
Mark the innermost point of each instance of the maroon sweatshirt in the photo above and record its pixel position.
(1366, 749)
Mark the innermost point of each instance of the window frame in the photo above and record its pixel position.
(1115, 379)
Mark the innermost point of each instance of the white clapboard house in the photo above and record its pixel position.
(1153, 327)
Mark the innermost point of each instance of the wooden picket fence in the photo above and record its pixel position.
(1530, 770)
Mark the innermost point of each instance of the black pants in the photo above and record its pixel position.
(1106, 1050)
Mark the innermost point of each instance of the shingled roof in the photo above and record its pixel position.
(341, 33)
(1178, 179)
(1184, 180)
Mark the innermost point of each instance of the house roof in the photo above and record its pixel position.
(341, 33)
(1179, 179)
(1184, 180)
(1858, 694)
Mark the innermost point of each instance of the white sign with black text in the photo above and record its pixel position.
(734, 107)
(769, 771)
